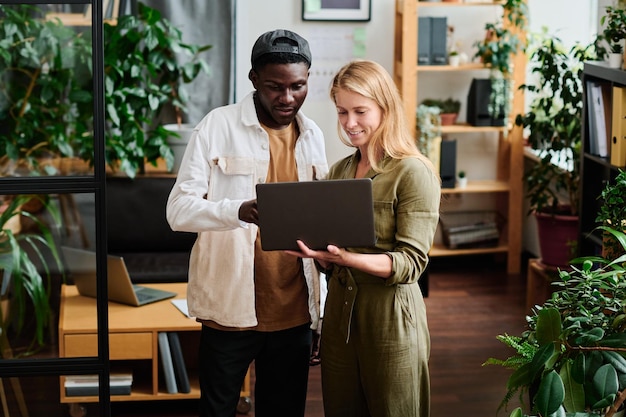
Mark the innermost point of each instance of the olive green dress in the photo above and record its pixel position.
(375, 341)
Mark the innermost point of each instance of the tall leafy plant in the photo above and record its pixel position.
(143, 74)
(45, 89)
(553, 124)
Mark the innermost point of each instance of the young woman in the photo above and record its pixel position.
(375, 341)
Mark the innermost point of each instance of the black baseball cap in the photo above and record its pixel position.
(281, 40)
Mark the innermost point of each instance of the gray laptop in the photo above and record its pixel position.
(338, 212)
(81, 265)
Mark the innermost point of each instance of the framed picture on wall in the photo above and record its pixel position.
(337, 10)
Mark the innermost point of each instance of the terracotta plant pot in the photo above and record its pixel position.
(448, 119)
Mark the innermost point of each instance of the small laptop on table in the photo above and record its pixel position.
(81, 265)
(337, 212)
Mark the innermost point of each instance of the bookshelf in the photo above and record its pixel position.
(134, 334)
(506, 187)
(110, 9)
(595, 170)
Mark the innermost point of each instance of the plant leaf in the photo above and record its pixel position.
(550, 394)
(574, 392)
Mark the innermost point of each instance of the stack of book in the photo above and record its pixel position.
(173, 363)
(87, 385)
(470, 229)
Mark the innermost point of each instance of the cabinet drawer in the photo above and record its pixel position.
(121, 345)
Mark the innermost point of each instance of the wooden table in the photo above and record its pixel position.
(133, 342)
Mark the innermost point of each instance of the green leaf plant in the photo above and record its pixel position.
(25, 260)
(615, 30)
(503, 39)
(143, 74)
(571, 359)
(46, 97)
(553, 124)
(45, 90)
(612, 211)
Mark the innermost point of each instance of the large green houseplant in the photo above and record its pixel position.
(147, 65)
(26, 257)
(571, 357)
(45, 90)
(46, 101)
(553, 128)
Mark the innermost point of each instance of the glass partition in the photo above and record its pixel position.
(46, 245)
(46, 105)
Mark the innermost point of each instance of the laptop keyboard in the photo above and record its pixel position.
(142, 296)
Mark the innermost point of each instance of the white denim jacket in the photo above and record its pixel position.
(227, 155)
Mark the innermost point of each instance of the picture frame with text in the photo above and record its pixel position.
(337, 10)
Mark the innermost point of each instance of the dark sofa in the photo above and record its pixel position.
(138, 231)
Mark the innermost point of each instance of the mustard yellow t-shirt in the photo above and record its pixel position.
(280, 287)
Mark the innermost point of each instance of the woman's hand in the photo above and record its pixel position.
(332, 254)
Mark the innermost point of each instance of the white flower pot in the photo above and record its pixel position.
(462, 182)
(178, 145)
(615, 60)
(454, 60)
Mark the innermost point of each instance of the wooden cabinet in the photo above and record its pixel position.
(596, 171)
(133, 343)
(505, 188)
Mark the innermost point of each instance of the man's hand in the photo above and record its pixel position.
(248, 212)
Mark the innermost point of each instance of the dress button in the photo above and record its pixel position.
(264, 146)
(350, 288)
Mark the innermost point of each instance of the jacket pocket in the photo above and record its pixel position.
(233, 178)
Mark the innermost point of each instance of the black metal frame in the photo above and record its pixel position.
(95, 184)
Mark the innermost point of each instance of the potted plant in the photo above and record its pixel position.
(502, 41)
(570, 359)
(614, 33)
(428, 127)
(45, 90)
(553, 128)
(25, 261)
(143, 75)
(448, 109)
(462, 179)
(612, 212)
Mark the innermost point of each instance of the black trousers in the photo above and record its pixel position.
(281, 370)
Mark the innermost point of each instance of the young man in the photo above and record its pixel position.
(254, 305)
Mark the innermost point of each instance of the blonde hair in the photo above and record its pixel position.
(393, 136)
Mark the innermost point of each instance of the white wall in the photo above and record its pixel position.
(571, 20)
(255, 17)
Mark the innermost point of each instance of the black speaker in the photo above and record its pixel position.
(478, 105)
(447, 163)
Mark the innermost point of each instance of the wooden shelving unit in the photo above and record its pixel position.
(595, 171)
(133, 342)
(507, 186)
